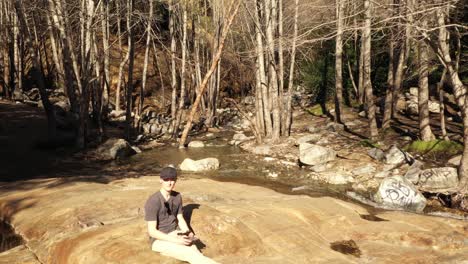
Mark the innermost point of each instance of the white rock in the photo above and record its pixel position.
(273, 175)
(434, 107)
(376, 154)
(196, 144)
(199, 165)
(136, 149)
(396, 156)
(413, 172)
(311, 154)
(455, 161)
(414, 91)
(438, 179)
(268, 159)
(398, 192)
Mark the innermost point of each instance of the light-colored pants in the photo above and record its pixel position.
(190, 254)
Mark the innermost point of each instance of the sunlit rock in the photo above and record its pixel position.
(396, 156)
(196, 144)
(199, 165)
(311, 154)
(438, 180)
(398, 192)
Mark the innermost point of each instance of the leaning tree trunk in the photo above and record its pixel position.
(202, 88)
(460, 91)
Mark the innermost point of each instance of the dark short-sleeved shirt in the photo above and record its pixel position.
(164, 212)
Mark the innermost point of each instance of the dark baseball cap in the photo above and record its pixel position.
(168, 173)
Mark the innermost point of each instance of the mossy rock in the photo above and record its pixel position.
(447, 148)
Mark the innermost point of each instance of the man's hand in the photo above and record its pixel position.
(185, 239)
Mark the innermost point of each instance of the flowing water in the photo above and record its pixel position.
(236, 166)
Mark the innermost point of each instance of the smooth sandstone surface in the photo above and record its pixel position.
(78, 221)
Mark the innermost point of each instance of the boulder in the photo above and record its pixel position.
(414, 91)
(413, 172)
(199, 165)
(398, 192)
(196, 144)
(443, 179)
(308, 138)
(396, 156)
(376, 154)
(115, 148)
(455, 161)
(311, 154)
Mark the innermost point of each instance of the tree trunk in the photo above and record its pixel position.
(261, 70)
(182, 73)
(270, 16)
(48, 107)
(291, 69)
(173, 63)
(459, 90)
(423, 92)
(131, 57)
(366, 42)
(390, 84)
(440, 92)
(145, 63)
(104, 10)
(339, 60)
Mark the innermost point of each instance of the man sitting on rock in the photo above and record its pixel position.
(168, 231)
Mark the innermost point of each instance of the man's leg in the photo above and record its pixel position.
(190, 254)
